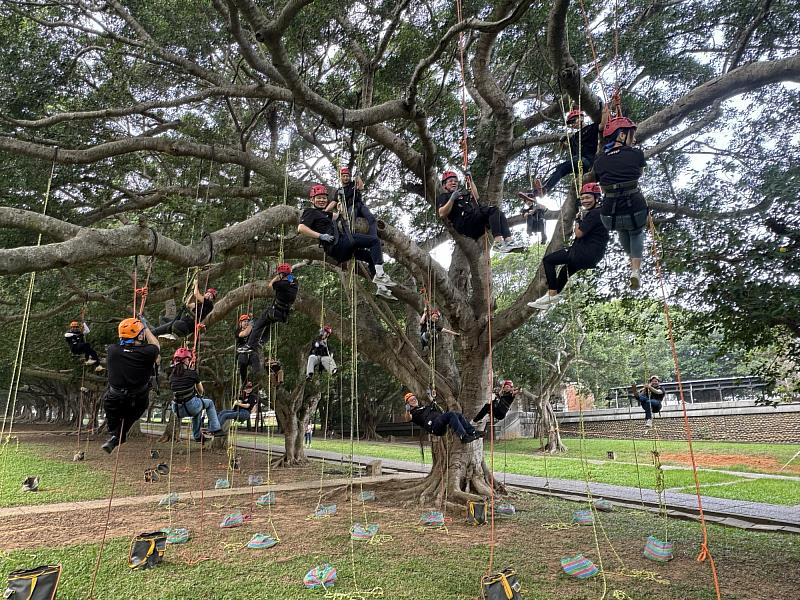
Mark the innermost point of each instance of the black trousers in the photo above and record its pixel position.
(85, 349)
(251, 362)
(574, 260)
(180, 327)
(123, 410)
(565, 168)
(268, 317)
(499, 411)
(486, 216)
(366, 248)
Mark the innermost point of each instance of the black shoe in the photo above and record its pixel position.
(470, 437)
(244, 349)
(112, 443)
(309, 377)
(218, 433)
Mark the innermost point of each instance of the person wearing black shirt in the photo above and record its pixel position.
(650, 398)
(588, 249)
(246, 404)
(320, 222)
(470, 218)
(197, 305)
(503, 399)
(246, 360)
(320, 354)
(284, 286)
(534, 218)
(431, 418)
(130, 364)
(351, 192)
(429, 326)
(624, 209)
(188, 399)
(75, 338)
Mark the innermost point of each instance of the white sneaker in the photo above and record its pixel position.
(635, 280)
(99, 369)
(545, 302)
(167, 336)
(383, 280)
(648, 423)
(513, 245)
(384, 292)
(90, 361)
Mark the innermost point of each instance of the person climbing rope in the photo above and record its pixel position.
(196, 303)
(284, 286)
(425, 335)
(582, 146)
(618, 169)
(588, 249)
(247, 403)
(188, 399)
(501, 403)
(650, 398)
(470, 218)
(251, 361)
(320, 222)
(130, 365)
(431, 418)
(320, 356)
(351, 195)
(75, 338)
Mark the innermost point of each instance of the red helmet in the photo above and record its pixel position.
(180, 354)
(344, 171)
(244, 318)
(212, 291)
(508, 382)
(617, 123)
(574, 114)
(591, 188)
(327, 329)
(317, 190)
(284, 268)
(448, 174)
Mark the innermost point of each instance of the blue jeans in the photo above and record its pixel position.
(649, 405)
(456, 421)
(631, 231)
(194, 408)
(240, 414)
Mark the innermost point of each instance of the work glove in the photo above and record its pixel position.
(326, 237)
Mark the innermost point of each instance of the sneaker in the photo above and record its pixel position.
(635, 280)
(383, 280)
(204, 435)
(217, 433)
(648, 423)
(513, 245)
(99, 369)
(242, 349)
(167, 336)
(470, 437)
(384, 292)
(545, 302)
(309, 376)
(112, 443)
(91, 361)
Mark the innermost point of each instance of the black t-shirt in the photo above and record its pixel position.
(74, 339)
(319, 221)
(240, 340)
(183, 382)
(201, 310)
(423, 416)
(423, 327)
(656, 395)
(348, 191)
(130, 367)
(505, 401)
(252, 400)
(320, 347)
(285, 292)
(624, 163)
(463, 211)
(595, 235)
(589, 135)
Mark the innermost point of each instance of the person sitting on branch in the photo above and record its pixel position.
(470, 218)
(426, 331)
(78, 345)
(588, 249)
(431, 418)
(582, 146)
(197, 305)
(247, 403)
(284, 286)
(188, 399)
(246, 360)
(350, 194)
(650, 398)
(624, 208)
(501, 403)
(321, 222)
(131, 364)
(320, 355)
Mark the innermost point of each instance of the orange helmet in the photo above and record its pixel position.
(408, 396)
(74, 324)
(616, 124)
(130, 328)
(244, 318)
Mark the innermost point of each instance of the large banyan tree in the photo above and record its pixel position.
(191, 130)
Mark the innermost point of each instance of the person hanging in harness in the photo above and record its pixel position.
(76, 340)
(586, 252)
(321, 222)
(197, 305)
(247, 404)
(429, 326)
(284, 287)
(534, 214)
(501, 403)
(431, 418)
(130, 364)
(320, 356)
(650, 398)
(582, 146)
(350, 194)
(624, 209)
(470, 218)
(188, 399)
(247, 361)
